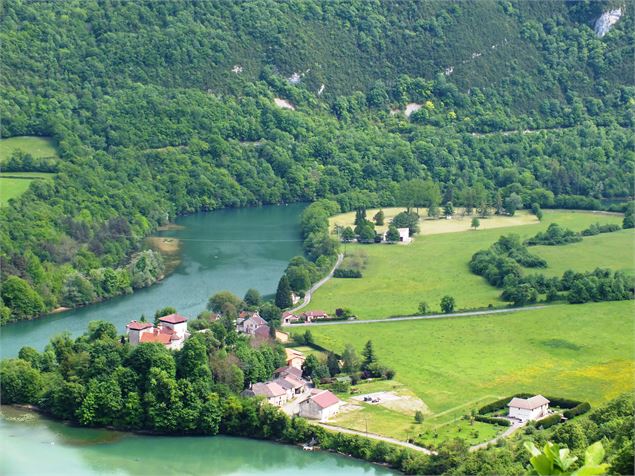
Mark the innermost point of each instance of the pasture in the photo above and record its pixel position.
(398, 277)
(14, 184)
(456, 364)
(36, 146)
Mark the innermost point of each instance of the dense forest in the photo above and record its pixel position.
(166, 108)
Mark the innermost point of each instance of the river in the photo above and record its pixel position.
(230, 250)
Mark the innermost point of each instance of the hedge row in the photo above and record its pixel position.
(549, 421)
(563, 402)
(577, 410)
(502, 403)
(347, 273)
(493, 420)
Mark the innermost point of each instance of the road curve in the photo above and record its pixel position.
(309, 293)
(416, 318)
(374, 436)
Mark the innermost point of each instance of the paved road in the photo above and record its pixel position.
(374, 436)
(309, 293)
(415, 318)
(517, 425)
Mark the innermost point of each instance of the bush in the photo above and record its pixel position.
(493, 420)
(347, 273)
(548, 421)
(577, 410)
(596, 229)
(563, 402)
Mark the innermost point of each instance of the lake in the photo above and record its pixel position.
(232, 249)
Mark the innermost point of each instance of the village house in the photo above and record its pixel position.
(322, 405)
(251, 323)
(311, 316)
(295, 358)
(289, 318)
(271, 391)
(293, 385)
(284, 371)
(171, 332)
(525, 409)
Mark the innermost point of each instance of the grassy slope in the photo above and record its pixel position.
(398, 278)
(36, 146)
(577, 351)
(14, 184)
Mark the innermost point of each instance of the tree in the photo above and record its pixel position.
(333, 364)
(218, 300)
(21, 383)
(307, 338)
(408, 220)
(252, 298)
(424, 308)
(447, 304)
(309, 365)
(629, 216)
(166, 311)
(23, 301)
(369, 356)
(392, 235)
(555, 460)
(535, 209)
(513, 203)
(366, 234)
(350, 360)
(448, 210)
(419, 416)
(475, 223)
(379, 218)
(348, 234)
(283, 293)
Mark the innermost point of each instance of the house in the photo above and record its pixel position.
(271, 391)
(311, 316)
(292, 384)
(289, 318)
(262, 332)
(295, 358)
(171, 332)
(525, 409)
(320, 406)
(283, 371)
(248, 322)
(404, 235)
(295, 298)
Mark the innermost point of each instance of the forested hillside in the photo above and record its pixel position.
(165, 108)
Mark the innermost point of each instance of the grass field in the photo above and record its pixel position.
(14, 184)
(397, 278)
(584, 352)
(36, 146)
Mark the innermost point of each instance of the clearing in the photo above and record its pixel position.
(454, 365)
(36, 146)
(398, 278)
(14, 184)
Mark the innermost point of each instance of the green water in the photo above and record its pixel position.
(233, 250)
(32, 445)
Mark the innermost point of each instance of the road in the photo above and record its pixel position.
(374, 436)
(416, 318)
(309, 293)
(517, 425)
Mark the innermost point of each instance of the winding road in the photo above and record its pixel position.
(309, 293)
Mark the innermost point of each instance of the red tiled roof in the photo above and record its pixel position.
(138, 326)
(173, 319)
(155, 337)
(325, 399)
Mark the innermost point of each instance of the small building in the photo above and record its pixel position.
(292, 384)
(320, 406)
(271, 391)
(404, 235)
(248, 322)
(525, 409)
(295, 358)
(171, 332)
(283, 371)
(311, 316)
(289, 318)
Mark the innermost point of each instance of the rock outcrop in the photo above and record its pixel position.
(604, 23)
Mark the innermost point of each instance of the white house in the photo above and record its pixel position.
(526, 409)
(320, 406)
(404, 235)
(248, 322)
(274, 393)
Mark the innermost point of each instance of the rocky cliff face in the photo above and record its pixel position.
(604, 23)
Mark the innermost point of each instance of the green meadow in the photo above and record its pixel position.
(36, 146)
(456, 364)
(14, 184)
(399, 277)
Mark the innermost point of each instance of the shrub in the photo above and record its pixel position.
(493, 420)
(347, 273)
(577, 410)
(548, 421)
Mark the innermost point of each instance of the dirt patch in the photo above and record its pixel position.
(406, 404)
(170, 249)
(284, 104)
(411, 107)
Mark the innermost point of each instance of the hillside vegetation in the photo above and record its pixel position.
(153, 117)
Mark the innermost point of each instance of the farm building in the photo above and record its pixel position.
(320, 406)
(526, 409)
